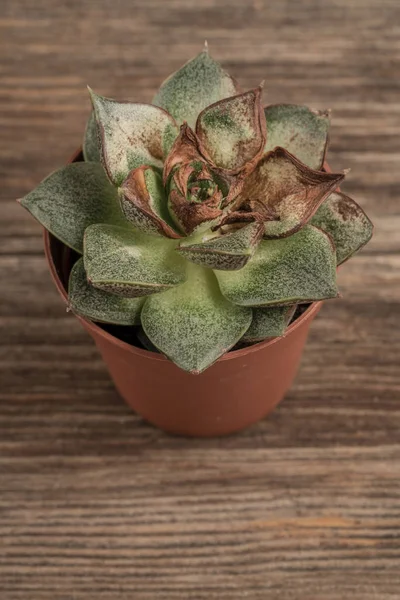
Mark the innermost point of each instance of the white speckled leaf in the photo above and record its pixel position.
(97, 305)
(268, 322)
(290, 190)
(129, 263)
(301, 131)
(230, 251)
(346, 222)
(144, 202)
(232, 131)
(299, 268)
(194, 324)
(71, 199)
(132, 135)
(199, 83)
(91, 144)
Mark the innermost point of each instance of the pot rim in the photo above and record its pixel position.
(307, 315)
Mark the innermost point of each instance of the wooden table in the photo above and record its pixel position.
(94, 502)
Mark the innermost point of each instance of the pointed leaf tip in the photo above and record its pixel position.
(194, 324)
(72, 198)
(228, 252)
(199, 83)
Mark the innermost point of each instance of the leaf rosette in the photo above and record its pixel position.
(203, 216)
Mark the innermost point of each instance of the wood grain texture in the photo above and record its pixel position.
(95, 503)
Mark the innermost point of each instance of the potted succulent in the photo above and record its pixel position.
(195, 238)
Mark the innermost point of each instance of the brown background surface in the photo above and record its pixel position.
(95, 503)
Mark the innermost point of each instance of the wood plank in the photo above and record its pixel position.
(96, 503)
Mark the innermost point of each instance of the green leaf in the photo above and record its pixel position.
(97, 305)
(301, 131)
(199, 83)
(132, 135)
(129, 263)
(144, 202)
(232, 131)
(288, 189)
(71, 199)
(91, 145)
(346, 222)
(229, 251)
(299, 268)
(194, 324)
(268, 322)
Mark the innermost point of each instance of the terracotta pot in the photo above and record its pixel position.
(241, 388)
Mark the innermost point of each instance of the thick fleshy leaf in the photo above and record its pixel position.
(129, 263)
(91, 144)
(199, 83)
(230, 251)
(132, 135)
(301, 131)
(71, 199)
(299, 268)
(346, 222)
(97, 305)
(194, 324)
(289, 190)
(144, 202)
(232, 131)
(268, 322)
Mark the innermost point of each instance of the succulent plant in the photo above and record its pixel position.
(203, 216)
